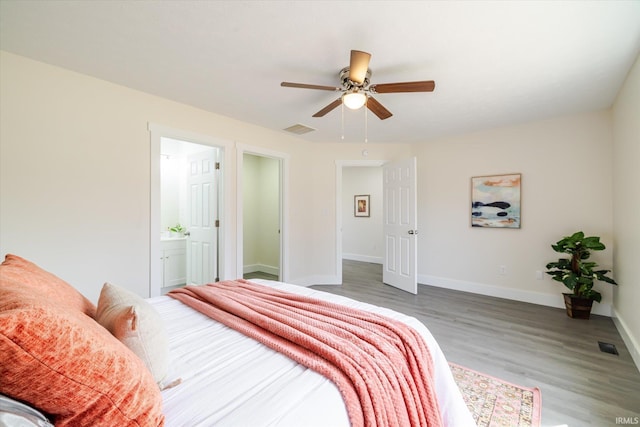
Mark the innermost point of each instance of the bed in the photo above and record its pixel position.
(211, 374)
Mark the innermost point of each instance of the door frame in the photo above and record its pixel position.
(340, 164)
(284, 160)
(157, 132)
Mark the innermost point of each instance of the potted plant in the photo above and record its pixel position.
(578, 274)
(176, 230)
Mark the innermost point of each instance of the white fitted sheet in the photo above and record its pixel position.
(231, 380)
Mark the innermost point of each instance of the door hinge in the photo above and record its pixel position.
(217, 223)
(217, 165)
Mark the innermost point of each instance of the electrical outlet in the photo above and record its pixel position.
(539, 275)
(503, 270)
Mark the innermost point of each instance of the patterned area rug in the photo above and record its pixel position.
(497, 403)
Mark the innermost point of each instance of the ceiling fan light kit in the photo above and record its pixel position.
(354, 100)
(356, 91)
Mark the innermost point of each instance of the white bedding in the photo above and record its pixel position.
(231, 380)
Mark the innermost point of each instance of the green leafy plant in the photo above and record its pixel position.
(177, 228)
(576, 273)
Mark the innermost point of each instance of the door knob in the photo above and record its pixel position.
(413, 231)
(187, 233)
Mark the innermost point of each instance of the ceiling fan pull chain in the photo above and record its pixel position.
(366, 139)
(342, 131)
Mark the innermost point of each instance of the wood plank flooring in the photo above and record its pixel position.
(526, 344)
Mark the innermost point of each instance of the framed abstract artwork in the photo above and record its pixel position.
(495, 201)
(361, 205)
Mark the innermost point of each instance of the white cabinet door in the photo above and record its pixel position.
(175, 267)
(174, 262)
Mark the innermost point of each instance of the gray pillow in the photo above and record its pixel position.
(17, 414)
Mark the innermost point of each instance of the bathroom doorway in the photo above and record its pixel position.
(185, 214)
(189, 212)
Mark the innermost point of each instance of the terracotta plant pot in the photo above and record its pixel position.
(577, 308)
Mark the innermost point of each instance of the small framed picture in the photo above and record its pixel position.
(361, 205)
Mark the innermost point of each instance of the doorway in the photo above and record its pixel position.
(188, 213)
(362, 237)
(262, 207)
(185, 242)
(341, 200)
(261, 217)
(399, 217)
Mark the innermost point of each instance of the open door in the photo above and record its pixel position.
(399, 225)
(201, 218)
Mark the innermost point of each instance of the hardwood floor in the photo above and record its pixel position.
(526, 344)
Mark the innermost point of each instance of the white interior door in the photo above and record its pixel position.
(399, 225)
(202, 215)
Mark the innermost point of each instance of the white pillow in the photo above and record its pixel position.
(137, 325)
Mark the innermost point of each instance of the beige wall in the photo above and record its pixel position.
(566, 186)
(626, 209)
(75, 178)
(75, 189)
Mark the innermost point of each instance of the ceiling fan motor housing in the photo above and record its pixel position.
(349, 84)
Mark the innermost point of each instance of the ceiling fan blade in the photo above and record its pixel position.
(358, 66)
(328, 108)
(306, 86)
(377, 108)
(423, 86)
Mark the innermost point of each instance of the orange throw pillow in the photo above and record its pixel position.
(68, 366)
(44, 283)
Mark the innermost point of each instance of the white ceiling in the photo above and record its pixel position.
(494, 62)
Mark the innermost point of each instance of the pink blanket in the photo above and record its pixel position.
(381, 366)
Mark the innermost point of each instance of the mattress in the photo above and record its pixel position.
(228, 379)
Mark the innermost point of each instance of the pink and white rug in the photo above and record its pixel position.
(497, 403)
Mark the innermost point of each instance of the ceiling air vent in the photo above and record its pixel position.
(299, 129)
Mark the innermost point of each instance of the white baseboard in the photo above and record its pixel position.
(363, 258)
(269, 269)
(629, 340)
(603, 309)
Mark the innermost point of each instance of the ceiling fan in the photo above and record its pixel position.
(356, 90)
